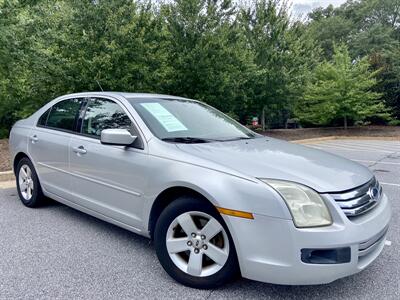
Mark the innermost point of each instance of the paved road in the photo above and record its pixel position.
(58, 252)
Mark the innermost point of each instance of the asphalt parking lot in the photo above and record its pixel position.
(58, 252)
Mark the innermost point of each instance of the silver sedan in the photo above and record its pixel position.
(217, 199)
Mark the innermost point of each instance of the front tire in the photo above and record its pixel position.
(28, 186)
(193, 244)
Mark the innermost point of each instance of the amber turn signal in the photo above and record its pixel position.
(235, 213)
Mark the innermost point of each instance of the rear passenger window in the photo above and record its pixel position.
(63, 114)
(104, 114)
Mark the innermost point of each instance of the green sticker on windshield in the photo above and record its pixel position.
(166, 119)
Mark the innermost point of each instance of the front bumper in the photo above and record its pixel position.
(269, 249)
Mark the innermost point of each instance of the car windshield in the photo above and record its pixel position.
(185, 121)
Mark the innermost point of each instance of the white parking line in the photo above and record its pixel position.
(392, 149)
(377, 142)
(376, 162)
(392, 146)
(386, 183)
(349, 149)
(369, 142)
(357, 146)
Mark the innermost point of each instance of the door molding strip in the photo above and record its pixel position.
(91, 179)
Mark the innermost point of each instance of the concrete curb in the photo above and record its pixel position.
(7, 176)
(7, 184)
(345, 137)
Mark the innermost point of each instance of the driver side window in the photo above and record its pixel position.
(103, 114)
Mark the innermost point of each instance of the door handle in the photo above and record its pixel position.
(34, 138)
(79, 150)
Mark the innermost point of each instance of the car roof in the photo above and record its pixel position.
(126, 95)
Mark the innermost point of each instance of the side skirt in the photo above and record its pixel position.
(96, 214)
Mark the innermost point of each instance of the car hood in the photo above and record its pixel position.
(277, 159)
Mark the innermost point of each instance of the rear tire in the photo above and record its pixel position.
(28, 185)
(200, 253)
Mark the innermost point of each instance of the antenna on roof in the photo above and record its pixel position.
(99, 85)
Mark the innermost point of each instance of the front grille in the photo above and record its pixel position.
(359, 200)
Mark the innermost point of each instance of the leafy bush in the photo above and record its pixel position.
(394, 123)
(3, 133)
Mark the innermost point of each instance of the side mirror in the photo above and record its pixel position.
(120, 137)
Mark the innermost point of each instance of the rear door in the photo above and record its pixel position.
(108, 179)
(49, 145)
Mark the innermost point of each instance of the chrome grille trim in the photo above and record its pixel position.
(359, 200)
(357, 192)
(354, 203)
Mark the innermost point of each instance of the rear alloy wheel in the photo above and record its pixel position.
(28, 186)
(25, 182)
(194, 246)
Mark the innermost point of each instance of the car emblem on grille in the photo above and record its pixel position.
(373, 192)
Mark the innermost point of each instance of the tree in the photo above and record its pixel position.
(329, 31)
(369, 28)
(380, 44)
(341, 88)
(50, 48)
(207, 53)
(247, 58)
(328, 27)
(282, 54)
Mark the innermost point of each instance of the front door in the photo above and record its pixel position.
(107, 179)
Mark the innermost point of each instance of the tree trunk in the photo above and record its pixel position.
(263, 118)
(345, 122)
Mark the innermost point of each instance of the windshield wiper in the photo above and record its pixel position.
(187, 140)
(238, 138)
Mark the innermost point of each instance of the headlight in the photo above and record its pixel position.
(306, 206)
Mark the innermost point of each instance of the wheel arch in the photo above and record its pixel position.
(165, 198)
(17, 158)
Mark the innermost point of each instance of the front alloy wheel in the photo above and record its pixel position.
(198, 252)
(194, 245)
